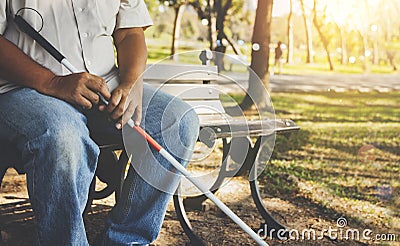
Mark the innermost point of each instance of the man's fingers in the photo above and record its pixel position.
(85, 103)
(116, 106)
(118, 111)
(138, 115)
(128, 113)
(91, 96)
(114, 102)
(99, 85)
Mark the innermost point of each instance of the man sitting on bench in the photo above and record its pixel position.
(48, 115)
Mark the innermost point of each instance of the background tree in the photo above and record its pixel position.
(324, 40)
(215, 12)
(308, 31)
(355, 30)
(240, 21)
(222, 8)
(259, 79)
(341, 22)
(363, 30)
(290, 46)
(179, 8)
(389, 25)
(206, 13)
(343, 44)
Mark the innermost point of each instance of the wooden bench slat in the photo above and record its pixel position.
(160, 73)
(186, 82)
(192, 92)
(207, 107)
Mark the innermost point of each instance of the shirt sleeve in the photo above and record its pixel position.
(3, 16)
(132, 13)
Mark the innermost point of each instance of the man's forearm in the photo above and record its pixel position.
(19, 68)
(132, 54)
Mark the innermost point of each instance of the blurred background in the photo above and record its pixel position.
(344, 36)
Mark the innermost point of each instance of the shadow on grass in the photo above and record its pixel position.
(281, 185)
(341, 141)
(283, 179)
(338, 107)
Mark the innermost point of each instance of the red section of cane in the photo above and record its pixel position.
(148, 138)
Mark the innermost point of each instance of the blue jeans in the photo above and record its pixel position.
(59, 157)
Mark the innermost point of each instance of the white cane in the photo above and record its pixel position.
(28, 29)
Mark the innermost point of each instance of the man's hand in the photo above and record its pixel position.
(131, 56)
(80, 88)
(124, 103)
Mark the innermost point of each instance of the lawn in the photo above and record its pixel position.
(346, 157)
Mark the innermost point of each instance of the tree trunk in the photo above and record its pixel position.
(222, 11)
(289, 58)
(325, 41)
(343, 57)
(308, 29)
(364, 43)
(375, 45)
(259, 76)
(177, 28)
(234, 46)
(212, 32)
(212, 22)
(390, 55)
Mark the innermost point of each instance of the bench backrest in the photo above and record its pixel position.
(160, 73)
(191, 83)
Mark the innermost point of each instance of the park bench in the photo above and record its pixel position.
(194, 84)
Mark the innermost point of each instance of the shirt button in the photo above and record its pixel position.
(85, 35)
(81, 9)
(89, 63)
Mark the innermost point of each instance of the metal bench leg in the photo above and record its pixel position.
(117, 187)
(196, 203)
(270, 221)
(122, 164)
(195, 240)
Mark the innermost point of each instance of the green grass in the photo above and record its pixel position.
(339, 107)
(345, 158)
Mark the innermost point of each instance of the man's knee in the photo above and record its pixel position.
(180, 134)
(65, 139)
(182, 118)
(188, 126)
